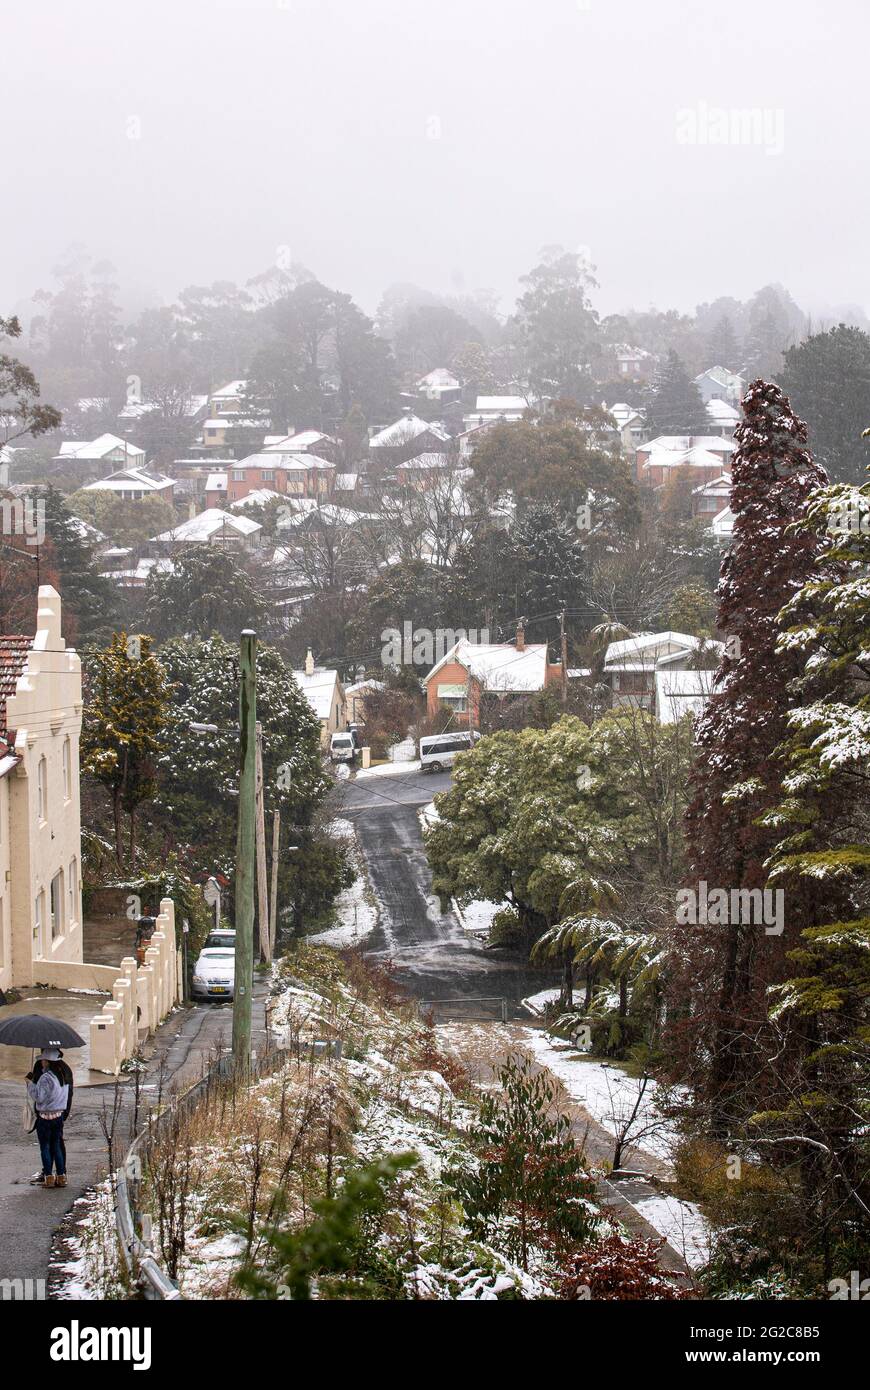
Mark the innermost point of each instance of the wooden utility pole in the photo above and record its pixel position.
(273, 899)
(262, 898)
(563, 640)
(245, 852)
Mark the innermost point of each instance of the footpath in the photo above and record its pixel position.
(29, 1216)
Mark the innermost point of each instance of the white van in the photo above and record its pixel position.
(439, 750)
(342, 747)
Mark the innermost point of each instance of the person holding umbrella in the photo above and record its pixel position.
(50, 1095)
(48, 1084)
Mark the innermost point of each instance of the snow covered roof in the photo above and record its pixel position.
(99, 447)
(401, 431)
(429, 460)
(208, 524)
(713, 486)
(285, 460)
(723, 523)
(501, 403)
(297, 443)
(622, 413)
(318, 689)
(652, 646)
(440, 378)
(257, 497)
(329, 515)
(722, 412)
(498, 666)
(229, 392)
(216, 482)
(127, 479)
(346, 482)
(361, 686)
(686, 458)
(681, 443)
(721, 376)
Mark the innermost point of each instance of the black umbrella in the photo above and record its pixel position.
(35, 1030)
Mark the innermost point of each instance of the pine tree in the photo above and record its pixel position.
(676, 406)
(825, 812)
(723, 970)
(89, 600)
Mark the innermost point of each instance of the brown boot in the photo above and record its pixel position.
(60, 1180)
(49, 1180)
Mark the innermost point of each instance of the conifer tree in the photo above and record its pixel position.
(676, 406)
(723, 969)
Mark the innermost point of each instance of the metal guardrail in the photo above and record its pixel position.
(141, 1262)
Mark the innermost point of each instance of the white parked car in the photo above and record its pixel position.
(342, 747)
(214, 974)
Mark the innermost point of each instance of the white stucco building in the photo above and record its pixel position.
(40, 825)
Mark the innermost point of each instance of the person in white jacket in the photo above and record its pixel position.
(50, 1096)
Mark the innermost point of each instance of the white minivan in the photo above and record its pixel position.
(439, 750)
(343, 746)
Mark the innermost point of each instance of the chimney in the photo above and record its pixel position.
(309, 664)
(521, 636)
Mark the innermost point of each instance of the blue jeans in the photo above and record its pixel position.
(50, 1136)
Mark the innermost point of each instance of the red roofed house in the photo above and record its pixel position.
(40, 827)
(502, 669)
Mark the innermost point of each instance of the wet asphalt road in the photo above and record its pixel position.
(434, 957)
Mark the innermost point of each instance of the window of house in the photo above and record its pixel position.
(73, 891)
(67, 770)
(268, 475)
(41, 789)
(56, 905)
(238, 475)
(37, 922)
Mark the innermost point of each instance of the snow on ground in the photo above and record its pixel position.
(387, 770)
(609, 1095)
(537, 1003)
(476, 917)
(606, 1092)
(681, 1224)
(357, 918)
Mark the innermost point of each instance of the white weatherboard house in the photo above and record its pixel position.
(632, 668)
(324, 693)
(40, 828)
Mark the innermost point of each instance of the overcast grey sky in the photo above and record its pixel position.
(440, 141)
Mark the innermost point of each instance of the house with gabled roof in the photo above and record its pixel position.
(324, 692)
(213, 527)
(407, 438)
(106, 449)
(632, 664)
(132, 484)
(470, 669)
(40, 826)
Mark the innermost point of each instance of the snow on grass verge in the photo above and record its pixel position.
(606, 1092)
(354, 908)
